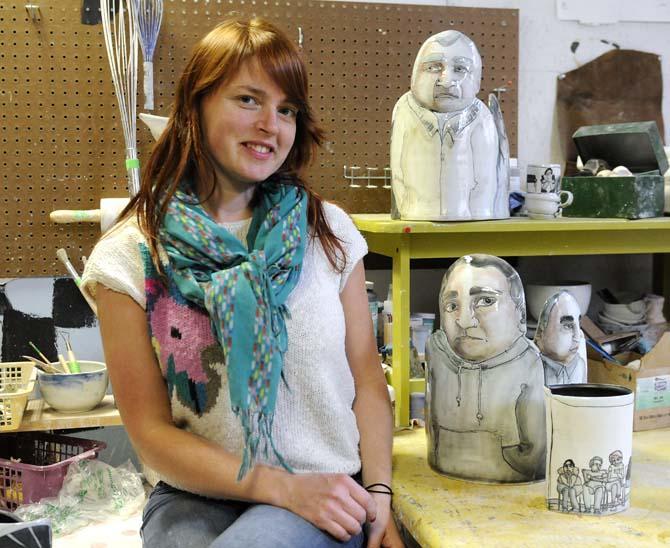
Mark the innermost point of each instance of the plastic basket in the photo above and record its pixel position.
(17, 380)
(44, 460)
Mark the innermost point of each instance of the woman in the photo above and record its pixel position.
(234, 318)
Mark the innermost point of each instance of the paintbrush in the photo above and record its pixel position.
(42, 356)
(62, 255)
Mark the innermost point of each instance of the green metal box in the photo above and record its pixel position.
(636, 145)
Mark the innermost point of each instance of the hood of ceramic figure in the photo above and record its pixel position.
(156, 124)
(447, 72)
(482, 307)
(558, 334)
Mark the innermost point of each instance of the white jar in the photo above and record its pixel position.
(589, 447)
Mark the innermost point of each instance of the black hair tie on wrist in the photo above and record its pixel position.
(370, 489)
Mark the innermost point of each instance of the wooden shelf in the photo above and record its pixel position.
(40, 416)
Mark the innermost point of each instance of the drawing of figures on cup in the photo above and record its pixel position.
(484, 379)
(600, 491)
(449, 150)
(561, 341)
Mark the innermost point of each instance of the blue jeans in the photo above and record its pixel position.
(176, 519)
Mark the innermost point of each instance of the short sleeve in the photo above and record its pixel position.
(355, 246)
(117, 263)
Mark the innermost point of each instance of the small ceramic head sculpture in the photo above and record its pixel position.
(561, 341)
(484, 378)
(482, 307)
(449, 150)
(447, 72)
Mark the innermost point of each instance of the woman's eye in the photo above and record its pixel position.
(460, 69)
(290, 112)
(450, 307)
(247, 100)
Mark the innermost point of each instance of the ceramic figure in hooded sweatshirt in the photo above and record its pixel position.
(561, 341)
(449, 152)
(484, 379)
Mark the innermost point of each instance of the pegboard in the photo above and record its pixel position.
(62, 141)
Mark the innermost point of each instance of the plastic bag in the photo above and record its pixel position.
(92, 491)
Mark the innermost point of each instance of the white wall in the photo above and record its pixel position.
(544, 54)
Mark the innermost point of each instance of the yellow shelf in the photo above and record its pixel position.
(439, 511)
(406, 240)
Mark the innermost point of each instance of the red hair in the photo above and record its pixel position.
(180, 152)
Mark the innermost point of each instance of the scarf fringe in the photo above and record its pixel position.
(257, 429)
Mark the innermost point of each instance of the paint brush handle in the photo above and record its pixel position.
(77, 280)
(64, 365)
(38, 352)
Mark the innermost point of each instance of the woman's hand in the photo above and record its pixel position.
(382, 532)
(334, 503)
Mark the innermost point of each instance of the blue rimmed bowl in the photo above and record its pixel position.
(75, 392)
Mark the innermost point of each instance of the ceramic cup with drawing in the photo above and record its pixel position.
(589, 441)
(547, 205)
(543, 178)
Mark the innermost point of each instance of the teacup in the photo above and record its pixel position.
(547, 205)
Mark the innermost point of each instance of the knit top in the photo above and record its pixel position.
(315, 427)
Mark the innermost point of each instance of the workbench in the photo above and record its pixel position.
(518, 236)
(439, 511)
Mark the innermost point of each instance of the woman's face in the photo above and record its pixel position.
(249, 127)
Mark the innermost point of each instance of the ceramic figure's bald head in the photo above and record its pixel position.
(447, 72)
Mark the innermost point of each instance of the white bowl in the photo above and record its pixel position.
(538, 293)
(75, 392)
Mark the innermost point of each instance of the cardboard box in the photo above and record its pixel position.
(636, 145)
(649, 378)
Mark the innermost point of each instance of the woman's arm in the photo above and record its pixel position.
(372, 405)
(332, 502)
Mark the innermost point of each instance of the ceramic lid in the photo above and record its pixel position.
(636, 145)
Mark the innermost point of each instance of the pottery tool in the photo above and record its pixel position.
(64, 365)
(62, 255)
(72, 361)
(42, 366)
(148, 15)
(121, 41)
(107, 215)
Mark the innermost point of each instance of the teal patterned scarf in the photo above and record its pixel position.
(245, 292)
